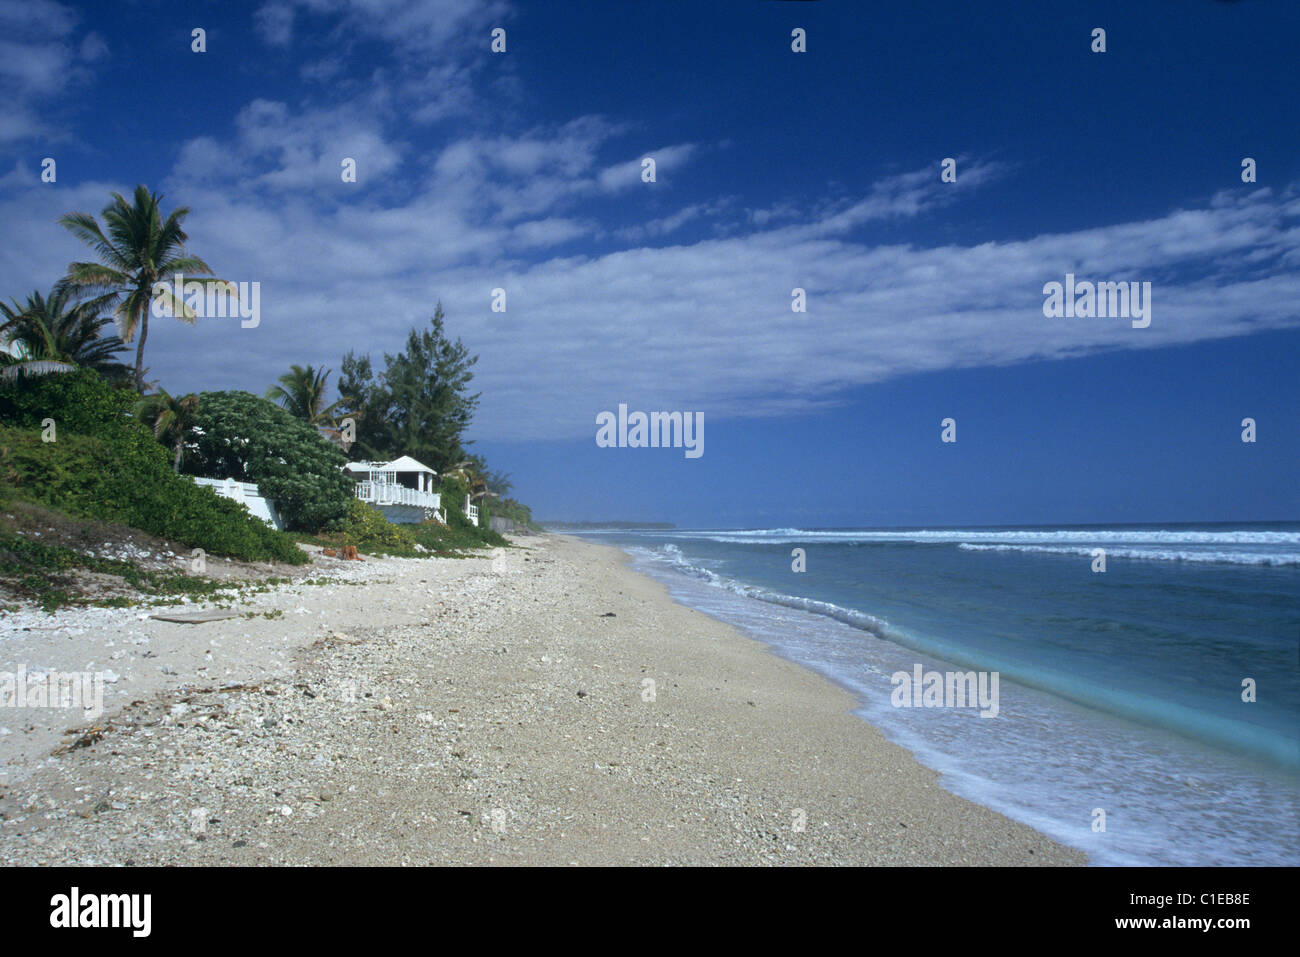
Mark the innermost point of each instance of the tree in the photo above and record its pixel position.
(495, 484)
(366, 401)
(420, 406)
(171, 420)
(56, 335)
(241, 436)
(301, 393)
(140, 249)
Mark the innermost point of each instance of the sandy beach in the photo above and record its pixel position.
(542, 704)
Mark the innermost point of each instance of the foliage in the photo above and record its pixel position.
(38, 571)
(301, 393)
(368, 529)
(241, 436)
(419, 405)
(169, 419)
(520, 513)
(453, 490)
(139, 250)
(103, 464)
(495, 483)
(81, 402)
(53, 334)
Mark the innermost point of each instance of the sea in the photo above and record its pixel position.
(1147, 714)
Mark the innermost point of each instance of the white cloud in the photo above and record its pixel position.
(668, 159)
(277, 149)
(705, 325)
(414, 26)
(40, 59)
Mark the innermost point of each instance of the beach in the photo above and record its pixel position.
(539, 705)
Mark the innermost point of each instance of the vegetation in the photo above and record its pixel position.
(139, 250)
(517, 512)
(240, 436)
(301, 393)
(38, 571)
(103, 464)
(55, 335)
(419, 406)
(169, 419)
(371, 533)
(87, 444)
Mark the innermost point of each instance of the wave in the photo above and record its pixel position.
(1150, 554)
(1230, 546)
(672, 555)
(1126, 703)
(941, 535)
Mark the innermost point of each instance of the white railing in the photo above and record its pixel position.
(387, 493)
(230, 488)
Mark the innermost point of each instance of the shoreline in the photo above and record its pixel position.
(483, 711)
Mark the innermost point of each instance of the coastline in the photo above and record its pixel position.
(479, 711)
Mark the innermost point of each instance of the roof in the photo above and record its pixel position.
(406, 464)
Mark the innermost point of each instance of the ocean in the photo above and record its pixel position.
(1121, 727)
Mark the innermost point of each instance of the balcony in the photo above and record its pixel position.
(390, 493)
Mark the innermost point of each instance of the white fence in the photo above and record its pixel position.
(247, 494)
(389, 493)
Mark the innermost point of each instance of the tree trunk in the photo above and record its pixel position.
(180, 447)
(139, 349)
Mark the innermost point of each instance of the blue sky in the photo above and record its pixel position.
(776, 169)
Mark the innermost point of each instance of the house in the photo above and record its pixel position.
(404, 490)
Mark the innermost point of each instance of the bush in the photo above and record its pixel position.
(241, 436)
(463, 531)
(366, 527)
(105, 465)
(79, 402)
(520, 513)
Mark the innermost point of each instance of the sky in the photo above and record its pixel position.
(819, 170)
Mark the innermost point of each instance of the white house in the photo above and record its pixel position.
(404, 490)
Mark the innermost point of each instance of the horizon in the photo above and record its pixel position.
(860, 179)
(649, 526)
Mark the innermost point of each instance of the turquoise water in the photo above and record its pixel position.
(1120, 691)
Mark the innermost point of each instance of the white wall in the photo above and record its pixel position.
(247, 494)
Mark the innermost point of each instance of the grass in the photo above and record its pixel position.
(44, 574)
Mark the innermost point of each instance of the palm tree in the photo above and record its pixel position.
(170, 419)
(140, 249)
(301, 393)
(52, 335)
(468, 472)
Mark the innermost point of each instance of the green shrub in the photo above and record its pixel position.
(366, 527)
(461, 530)
(105, 465)
(520, 513)
(244, 437)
